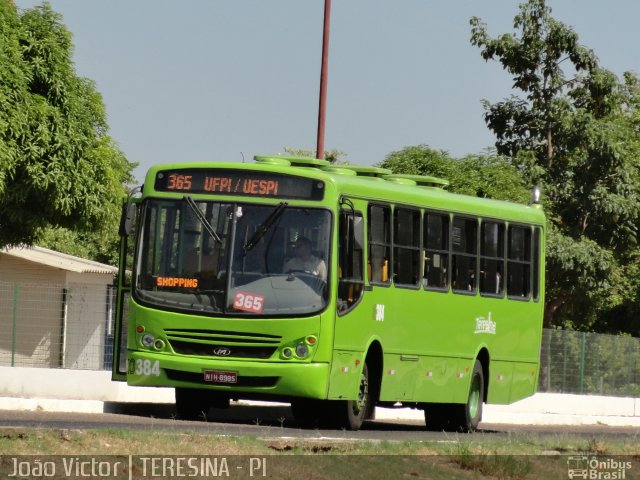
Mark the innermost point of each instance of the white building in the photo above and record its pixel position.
(55, 309)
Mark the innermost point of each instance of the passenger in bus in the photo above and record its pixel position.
(498, 283)
(472, 281)
(305, 260)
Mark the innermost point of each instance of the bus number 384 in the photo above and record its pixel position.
(144, 367)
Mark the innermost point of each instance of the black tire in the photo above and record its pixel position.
(470, 414)
(194, 404)
(459, 417)
(350, 414)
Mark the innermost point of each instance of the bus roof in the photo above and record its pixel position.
(374, 184)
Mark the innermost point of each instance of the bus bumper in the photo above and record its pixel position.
(277, 379)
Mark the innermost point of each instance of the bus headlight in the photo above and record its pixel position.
(302, 350)
(147, 340)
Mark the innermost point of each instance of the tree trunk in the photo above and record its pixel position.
(550, 308)
(549, 148)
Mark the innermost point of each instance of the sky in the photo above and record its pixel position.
(223, 80)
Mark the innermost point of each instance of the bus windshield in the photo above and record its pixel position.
(233, 258)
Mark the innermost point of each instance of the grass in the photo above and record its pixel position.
(480, 456)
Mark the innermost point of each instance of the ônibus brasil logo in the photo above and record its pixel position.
(591, 467)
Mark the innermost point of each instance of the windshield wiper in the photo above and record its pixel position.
(264, 227)
(205, 223)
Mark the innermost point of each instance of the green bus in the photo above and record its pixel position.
(333, 288)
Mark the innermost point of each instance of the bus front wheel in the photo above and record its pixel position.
(350, 414)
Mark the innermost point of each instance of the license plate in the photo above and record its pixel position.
(215, 376)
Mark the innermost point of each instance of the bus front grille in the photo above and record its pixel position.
(220, 350)
(222, 343)
(221, 336)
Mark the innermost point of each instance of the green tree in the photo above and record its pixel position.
(577, 136)
(58, 166)
(535, 59)
(486, 176)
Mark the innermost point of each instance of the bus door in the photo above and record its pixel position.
(128, 224)
(350, 259)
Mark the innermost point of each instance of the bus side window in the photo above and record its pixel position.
(379, 231)
(536, 263)
(492, 258)
(464, 249)
(406, 247)
(436, 249)
(350, 260)
(519, 262)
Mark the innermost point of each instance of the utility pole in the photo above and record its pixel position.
(324, 72)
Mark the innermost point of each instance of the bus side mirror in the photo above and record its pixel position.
(127, 219)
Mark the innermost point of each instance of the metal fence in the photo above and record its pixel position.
(71, 326)
(589, 363)
(57, 326)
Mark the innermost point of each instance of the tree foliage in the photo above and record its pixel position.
(486, 176)
(58, 166)
(573, 130)
(535, 59)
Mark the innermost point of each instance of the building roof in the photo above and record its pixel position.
(51, 258)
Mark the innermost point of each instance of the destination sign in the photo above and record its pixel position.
(239, 182)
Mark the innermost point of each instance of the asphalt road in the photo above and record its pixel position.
(277, 422)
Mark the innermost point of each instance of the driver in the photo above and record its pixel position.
(305, 261)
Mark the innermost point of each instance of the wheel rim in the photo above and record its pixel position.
(474, 397)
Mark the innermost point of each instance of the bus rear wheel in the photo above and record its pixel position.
(470, 414)
(459, 417)
(194, 404)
